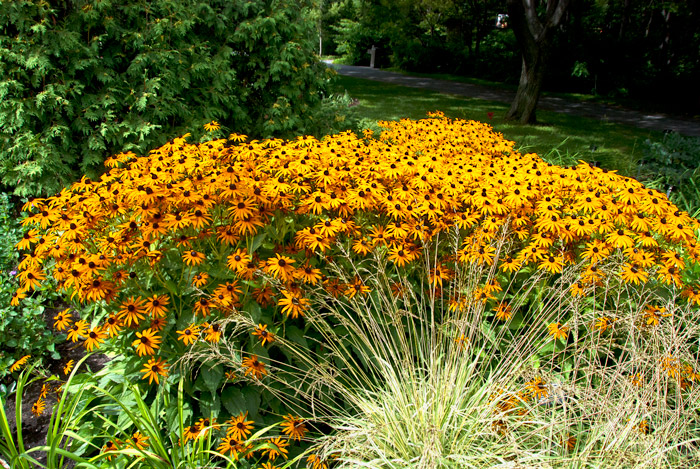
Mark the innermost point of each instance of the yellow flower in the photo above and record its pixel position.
(263, 334)
(281, 267)
(239, 427)
(277, 447)
(38, 407)
(254, 366)
(94, 338)
(154, 368)
(212, 126)
(62, 320)
(138, 441)
(558, 331)
(189, 334)
(132, 311)
(19, 363)
(503, 312)
(293, 304)
(146, 342)
(193, 257)
(212, 332)
(294, 427)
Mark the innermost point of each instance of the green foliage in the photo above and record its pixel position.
(673, 164)
(92, 409)
(22, 328)
(83, 80)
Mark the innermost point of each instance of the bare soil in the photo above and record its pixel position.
(34, 429)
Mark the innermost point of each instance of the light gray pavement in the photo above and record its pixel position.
(621, 115)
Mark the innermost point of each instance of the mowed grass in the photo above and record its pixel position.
(558, 137)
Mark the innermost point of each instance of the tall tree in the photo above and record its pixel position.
(534, 28)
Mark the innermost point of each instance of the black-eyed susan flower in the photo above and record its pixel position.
(263, 334)
(670, 275)
(620, 239)
(633, 273)
(113, 325)
(155, 368)
(189, 334)
(19, 363)
(202, 306)
(537, 388)
(31, 278)
(200, 279)
(238, 259)
(602, 324)
(192, 257)
(558, 331)
(293, 303)
(308, 274)
(157, 305)
(146, 342)
(503, 312)
(62, 320)
(232, 446)
(254, 367)
(38, 407)
(94, 338)
(132, 311)
(652, 315)
(276, 447)
(138, 441)
(212, 126)
(314, 461)
(239, 427)
(552, 264)
(294, 427)
(77, 330)
(280, 267)
(109, 447)
(212, 332)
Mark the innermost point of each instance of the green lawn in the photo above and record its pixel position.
(559, 137)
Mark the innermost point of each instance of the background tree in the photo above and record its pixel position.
(534, 31)
(638, 49)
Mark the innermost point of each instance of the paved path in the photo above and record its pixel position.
(659, 122)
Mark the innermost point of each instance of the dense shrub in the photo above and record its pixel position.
(82, 80)
(674, 165)
(229, 256)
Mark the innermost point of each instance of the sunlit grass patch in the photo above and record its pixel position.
(614, 146)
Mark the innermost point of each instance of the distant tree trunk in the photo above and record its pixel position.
(625, 19)
(534, 38)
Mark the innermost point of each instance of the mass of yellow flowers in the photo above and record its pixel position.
(171, 243)
(201, 208)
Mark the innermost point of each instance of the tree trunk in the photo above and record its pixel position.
(534, 38)
(531, 77)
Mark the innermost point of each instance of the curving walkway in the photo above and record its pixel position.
(661, 122)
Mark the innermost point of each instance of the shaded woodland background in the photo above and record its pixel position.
(643, 50)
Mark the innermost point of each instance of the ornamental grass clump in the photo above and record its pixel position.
(232, 241)
(409, 381)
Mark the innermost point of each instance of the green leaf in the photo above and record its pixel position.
(210, 406)
(257, 241)
(213, 377)
(253, 310)
(238, 401)
(296, 335)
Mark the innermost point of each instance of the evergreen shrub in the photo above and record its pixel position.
(82, 80)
